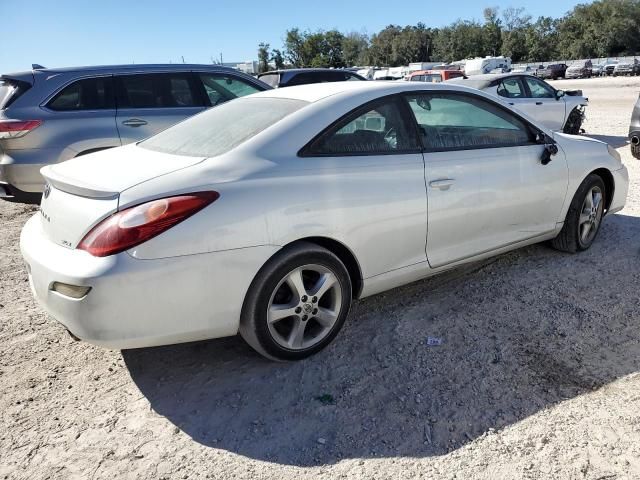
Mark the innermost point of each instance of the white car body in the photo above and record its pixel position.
(552, 111)
(396, 215)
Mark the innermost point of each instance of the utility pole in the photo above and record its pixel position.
(220, 58)
(182, 58)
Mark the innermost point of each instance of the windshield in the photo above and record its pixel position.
(222, 128)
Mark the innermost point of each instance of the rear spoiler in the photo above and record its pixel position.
(75, 187)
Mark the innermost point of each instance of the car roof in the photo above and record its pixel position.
(305, 70)
(134, 67)
(314, 92)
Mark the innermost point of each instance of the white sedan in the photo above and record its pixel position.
(558, 110)
(270, 214)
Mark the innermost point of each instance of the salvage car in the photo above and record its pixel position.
(50, 115)
(580, 69)
(556, 109)
(434, 76)
(552, 72)
(627, 68)
(269, 215)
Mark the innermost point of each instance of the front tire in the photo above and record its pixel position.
(582, 224)
(574, 122)
(297, 303)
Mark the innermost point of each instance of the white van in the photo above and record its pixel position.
(480, 66)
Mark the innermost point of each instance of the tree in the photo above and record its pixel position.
(263, 57)
(516, 23)
(492, 30)
(278, 59)
(354, 49)
(293, 44)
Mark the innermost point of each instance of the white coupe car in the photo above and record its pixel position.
(270, 214)
(557, 110)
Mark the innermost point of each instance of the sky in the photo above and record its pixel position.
(71, 33)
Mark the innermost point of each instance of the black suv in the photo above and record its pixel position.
(303, 76)
(553, 71)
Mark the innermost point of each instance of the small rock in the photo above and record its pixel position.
(322, 441)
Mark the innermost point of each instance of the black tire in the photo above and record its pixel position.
(254, 326)
(569, 239)
(574, 122)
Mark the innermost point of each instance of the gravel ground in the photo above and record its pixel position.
(536, 377)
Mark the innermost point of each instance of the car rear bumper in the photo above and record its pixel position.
(140, 303)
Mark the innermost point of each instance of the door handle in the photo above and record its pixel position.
(442, 184)
(538, 103)
(134, 122)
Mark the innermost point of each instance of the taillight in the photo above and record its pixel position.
(135, 225)
(17, 128)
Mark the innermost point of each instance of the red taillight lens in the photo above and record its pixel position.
(135, 225)
(17, 128)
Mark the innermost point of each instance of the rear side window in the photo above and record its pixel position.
(10, 90)
(220, 129)
(450, 121)
(158, 90)
(85, 94)
(222, 88)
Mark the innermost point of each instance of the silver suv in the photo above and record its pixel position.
(51, 115)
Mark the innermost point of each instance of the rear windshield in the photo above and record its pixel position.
(272, 79)
(222, 128)
(10, 90)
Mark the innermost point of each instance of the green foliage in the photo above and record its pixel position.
(602, 28)
(263, 57)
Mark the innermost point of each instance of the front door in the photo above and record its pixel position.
(486, 186)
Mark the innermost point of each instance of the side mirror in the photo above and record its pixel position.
(550, 149)
(560, 94)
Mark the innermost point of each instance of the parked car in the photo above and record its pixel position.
(634, 130)
(538, 70)
(580, 69)
(304, 76)
(558, 110)
(526, 69)
(482, 65)
(270, 214)
(598, 70)
(434, 76)
(51, 115)
(553, 71)
(627, 68)
(609, 67)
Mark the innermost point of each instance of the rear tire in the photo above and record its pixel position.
(582, 224)
(297, 303)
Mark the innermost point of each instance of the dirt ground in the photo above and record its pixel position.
(537, 375)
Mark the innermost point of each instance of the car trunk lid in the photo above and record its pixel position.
(83, 191)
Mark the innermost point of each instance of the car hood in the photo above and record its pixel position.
(106, 173)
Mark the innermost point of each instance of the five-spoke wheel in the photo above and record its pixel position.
(297, 303)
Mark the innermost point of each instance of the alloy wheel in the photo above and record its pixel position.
(590, 215)
(304, 307)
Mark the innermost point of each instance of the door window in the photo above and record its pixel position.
(158, 90)
(222, 88)
(511, 88)
(86, 94)
(378, 128)
(539, 89)
(451, 121)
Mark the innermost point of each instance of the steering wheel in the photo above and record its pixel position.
(391, 137)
